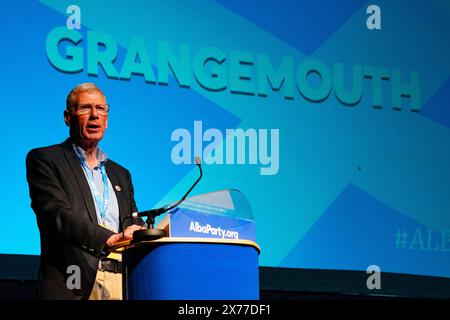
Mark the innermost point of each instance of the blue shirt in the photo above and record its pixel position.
(111, 220)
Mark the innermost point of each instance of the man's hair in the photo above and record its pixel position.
(72, 97)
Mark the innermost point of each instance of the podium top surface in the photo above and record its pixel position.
(124, 245)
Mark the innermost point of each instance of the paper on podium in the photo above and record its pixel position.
(224, 214)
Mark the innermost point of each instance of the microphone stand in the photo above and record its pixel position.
(151, 233)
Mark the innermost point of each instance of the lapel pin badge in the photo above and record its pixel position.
(118, 188)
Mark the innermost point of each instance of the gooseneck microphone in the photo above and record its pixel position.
(151, 233)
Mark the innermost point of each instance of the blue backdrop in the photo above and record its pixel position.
(349, 165)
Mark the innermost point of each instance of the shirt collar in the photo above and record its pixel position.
(101, 155)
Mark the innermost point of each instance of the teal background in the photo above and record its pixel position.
(350, 177)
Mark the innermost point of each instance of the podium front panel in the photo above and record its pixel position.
(191, 271)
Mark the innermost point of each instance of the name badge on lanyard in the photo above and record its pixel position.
(102, 203)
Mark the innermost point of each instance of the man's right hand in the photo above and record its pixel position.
(123, 236)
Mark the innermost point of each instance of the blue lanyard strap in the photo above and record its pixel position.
(102, 203)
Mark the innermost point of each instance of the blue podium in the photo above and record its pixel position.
(191, 269)
(209, 253)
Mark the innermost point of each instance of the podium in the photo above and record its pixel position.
(191, 269)
(204, 267)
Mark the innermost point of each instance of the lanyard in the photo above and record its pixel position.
(102, 203)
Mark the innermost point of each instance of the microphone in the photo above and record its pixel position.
(148, 213)
(157, 212)
(151, 233)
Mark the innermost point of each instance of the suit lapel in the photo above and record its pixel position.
(74, 164)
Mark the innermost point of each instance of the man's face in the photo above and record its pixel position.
(88, 127)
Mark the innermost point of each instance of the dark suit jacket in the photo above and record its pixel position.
(66, 217)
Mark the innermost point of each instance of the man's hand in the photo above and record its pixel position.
(125, 235)
(128, 233)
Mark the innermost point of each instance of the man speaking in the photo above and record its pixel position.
(80, 197)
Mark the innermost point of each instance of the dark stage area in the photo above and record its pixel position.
(18, 282)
